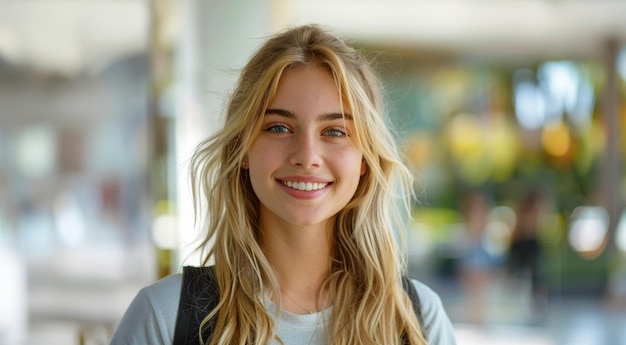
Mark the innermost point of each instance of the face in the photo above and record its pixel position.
(304, 166)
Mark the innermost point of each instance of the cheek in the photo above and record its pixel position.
(256, 149)
(262, 157)
(353, 164)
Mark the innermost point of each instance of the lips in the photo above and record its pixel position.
(305, 186)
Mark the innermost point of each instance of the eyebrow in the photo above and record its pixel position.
(323, 117)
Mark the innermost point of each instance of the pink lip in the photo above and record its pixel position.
(303, 178)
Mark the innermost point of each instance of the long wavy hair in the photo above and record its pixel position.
(369, 303)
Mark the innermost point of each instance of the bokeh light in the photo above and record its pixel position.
(588, 229)
(556, 138)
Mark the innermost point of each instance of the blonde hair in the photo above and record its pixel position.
(370, 305)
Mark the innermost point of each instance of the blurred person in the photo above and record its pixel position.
(476, 267)
(525, 249)
(303, 216)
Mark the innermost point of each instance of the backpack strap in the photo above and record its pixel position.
(409, 288)
(199, 295)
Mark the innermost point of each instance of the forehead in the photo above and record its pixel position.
(308, 86)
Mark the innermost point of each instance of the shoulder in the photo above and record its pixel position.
(151, 316)
(437, 324)
(428, 297)
(166, 287)
(161, 296)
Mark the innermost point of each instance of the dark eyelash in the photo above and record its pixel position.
(339, 130)
(271, 128)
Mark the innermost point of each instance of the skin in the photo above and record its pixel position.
(305, 142)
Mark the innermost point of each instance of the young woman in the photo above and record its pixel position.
(301, 187)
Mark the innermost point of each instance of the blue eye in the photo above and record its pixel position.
(336, 132)
(277, 129)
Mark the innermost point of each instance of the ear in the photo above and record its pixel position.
(244, 164)
(363, 167)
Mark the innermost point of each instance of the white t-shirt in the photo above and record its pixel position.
(151, 318)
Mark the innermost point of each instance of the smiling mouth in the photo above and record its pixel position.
(305, 186)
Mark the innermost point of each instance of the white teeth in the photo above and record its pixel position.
(308, 186)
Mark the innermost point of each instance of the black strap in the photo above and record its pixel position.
(199, 295)
(409, 288)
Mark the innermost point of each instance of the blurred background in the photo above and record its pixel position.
(511, 114)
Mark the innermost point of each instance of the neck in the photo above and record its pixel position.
(300, 258)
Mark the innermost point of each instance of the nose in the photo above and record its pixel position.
(305, 151)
